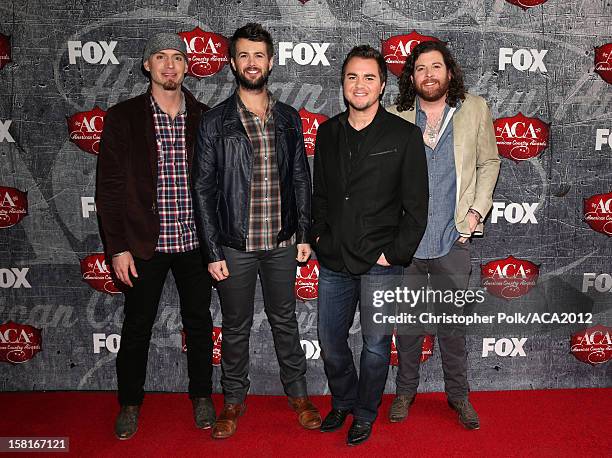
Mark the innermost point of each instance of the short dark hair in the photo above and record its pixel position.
(456, 87)
(253, 32)
(367, 52)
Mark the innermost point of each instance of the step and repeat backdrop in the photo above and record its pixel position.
(544, 66)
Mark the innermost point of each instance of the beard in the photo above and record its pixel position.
(436, 93)
(171, 85)
(257, 84)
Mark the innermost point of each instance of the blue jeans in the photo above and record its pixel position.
(339, 293)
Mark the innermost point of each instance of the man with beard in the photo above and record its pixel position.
(147, 225)
(251, 188)
(463, 166)
(369, 213)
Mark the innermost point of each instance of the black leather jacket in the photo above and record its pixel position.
(222, 171)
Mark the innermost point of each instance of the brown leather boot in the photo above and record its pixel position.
(466, 413)
(400, 406)
(308, 415)
(227, 421)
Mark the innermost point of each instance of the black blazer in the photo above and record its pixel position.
(221, 179)
(373, 203)
(126, 181)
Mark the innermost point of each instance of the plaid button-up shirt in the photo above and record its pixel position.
(177, 232)
(265, 204)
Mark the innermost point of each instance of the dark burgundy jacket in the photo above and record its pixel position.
(126, 184)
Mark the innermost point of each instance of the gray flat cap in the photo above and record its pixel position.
(164, 41)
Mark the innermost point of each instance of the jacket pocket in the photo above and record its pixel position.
(380, 153)
(286, 137)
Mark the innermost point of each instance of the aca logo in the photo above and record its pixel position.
(208, 52)
(310, 126)
(86, 129)
(217, 338)
(19, 342)
(5, 50)
(13, 206)
(593, 345)
(603, 62)
(509, 278)
(97, 274)
(307, 281)
(93, 52)
(598, 213)
(396, 49)
(526, 4)
(426, 349)
(520, 138)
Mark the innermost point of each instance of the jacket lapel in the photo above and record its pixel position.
(375, 131)
(231, 118)
(191, 126)
(281, 123)
(409, 115)
(149, 129)
(344, 158)
(458, 128)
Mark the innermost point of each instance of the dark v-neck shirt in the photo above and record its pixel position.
(356, 138)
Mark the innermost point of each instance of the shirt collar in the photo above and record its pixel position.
(271, 102)
(182, 107)
(446, 107)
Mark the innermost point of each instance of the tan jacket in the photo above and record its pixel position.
(476, 159)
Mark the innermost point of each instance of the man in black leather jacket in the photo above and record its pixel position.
(251, 193)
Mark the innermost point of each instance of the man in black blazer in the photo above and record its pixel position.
(369, 214)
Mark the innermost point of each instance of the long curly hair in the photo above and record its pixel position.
(407, 94)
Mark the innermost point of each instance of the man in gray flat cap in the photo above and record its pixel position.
(147, 225)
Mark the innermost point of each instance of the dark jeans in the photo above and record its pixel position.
(339, 293)
(449, 272)
(276, 269)
(141, 301)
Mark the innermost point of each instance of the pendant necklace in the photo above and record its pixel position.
(431, 132)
